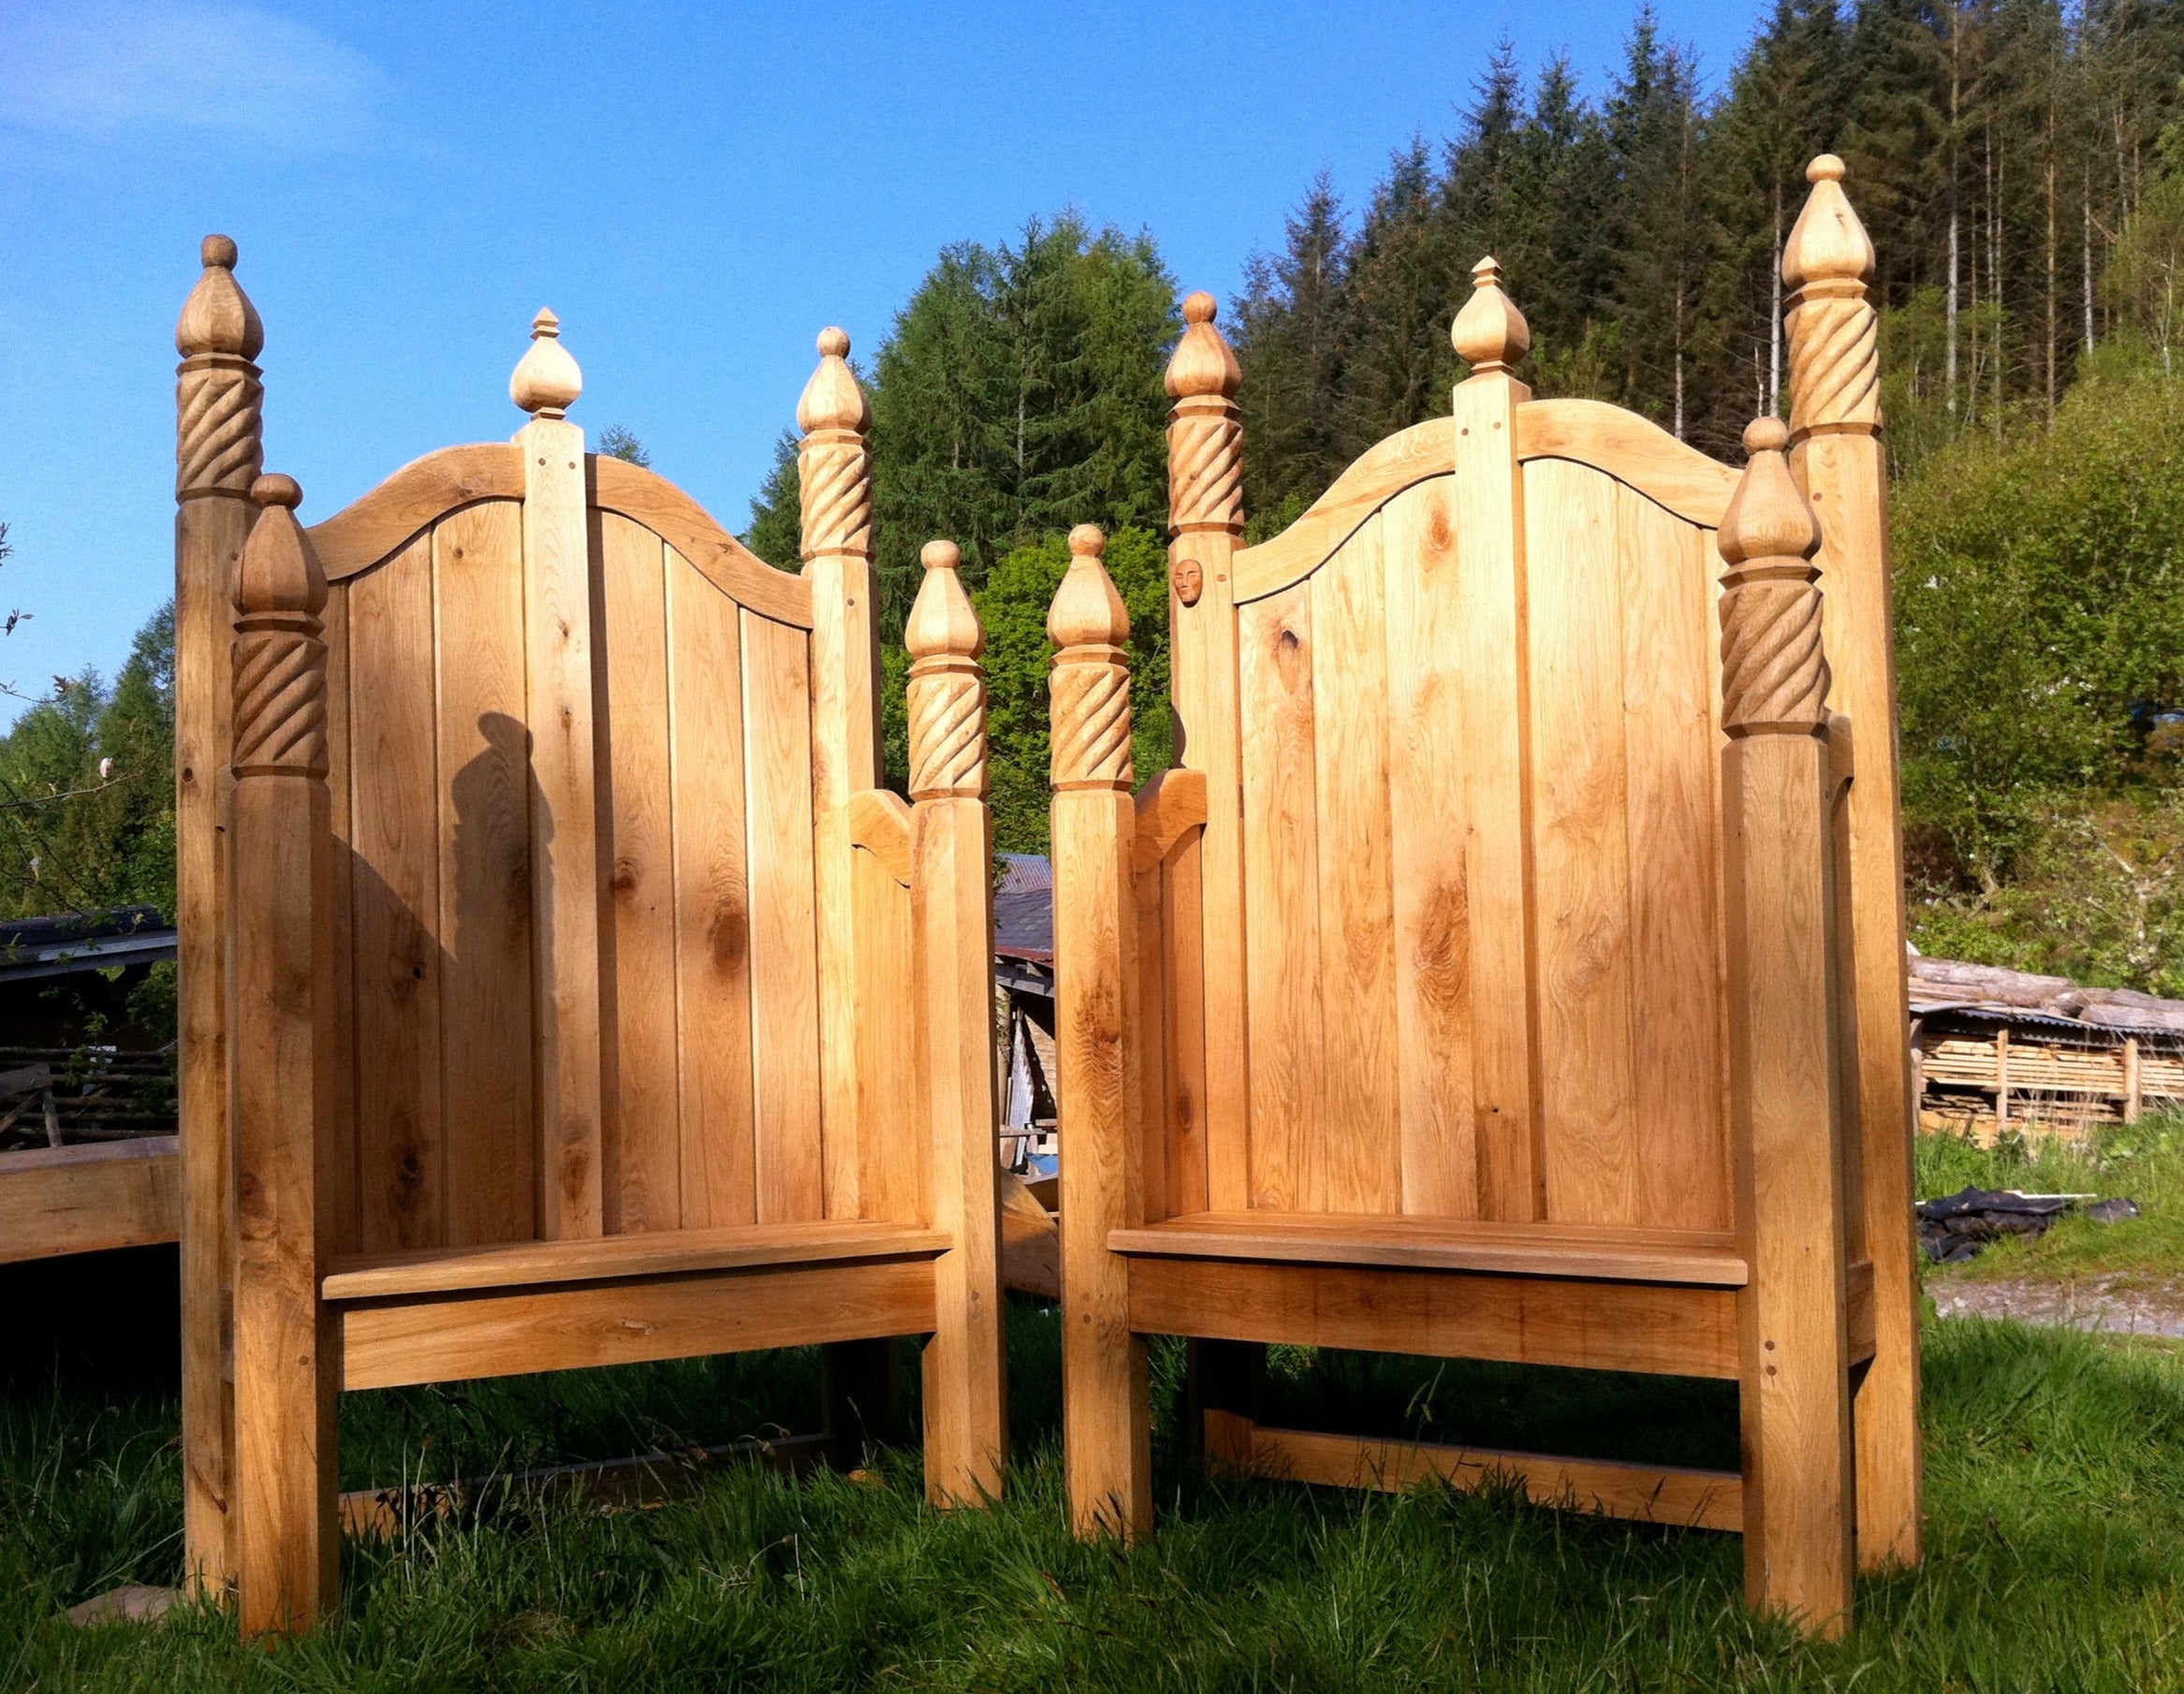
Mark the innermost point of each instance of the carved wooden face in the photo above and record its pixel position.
(1188, 582)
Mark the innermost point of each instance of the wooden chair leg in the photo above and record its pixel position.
(863, 1410)
(288, 1539)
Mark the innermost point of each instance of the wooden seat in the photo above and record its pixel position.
(1702, 1258)
(610, 1258)
(1511, 968)
(561, 987)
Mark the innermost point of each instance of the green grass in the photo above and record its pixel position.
(2055, 1462)
(2144, 1161)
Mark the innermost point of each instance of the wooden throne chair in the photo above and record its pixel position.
(1512, 967)
(560, 988)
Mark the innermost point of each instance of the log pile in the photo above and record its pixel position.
(67, 1096)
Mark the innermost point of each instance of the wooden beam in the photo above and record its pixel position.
(90, 1199)
(1687, 1331)
(454, 1337)
(1646, 1494)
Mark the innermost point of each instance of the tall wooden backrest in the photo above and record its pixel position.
(1461, 728)
(621, 928)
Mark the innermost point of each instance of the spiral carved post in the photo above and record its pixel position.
(1205, 522)
(835, 484)
(279, 959)
(1778, 800)
(1835, 426)
(218, 450)
(1107, 1423)
(951, 918)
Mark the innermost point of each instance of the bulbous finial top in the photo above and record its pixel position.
(1489, 333)
(280, 570)
(545, 382)
(1087, 610)
(941, 621)
(1767, 517)
(1827, 243)
(218, 316)
(832, 399)
(1203, 361)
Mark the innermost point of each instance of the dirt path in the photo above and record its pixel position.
(2118, 1304)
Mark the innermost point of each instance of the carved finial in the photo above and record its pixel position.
(1490, 332)
(1089, 688)
(280, 661)
(1834, 366)
(1203, 361)
(948, 686)
(545, 382)
(218, 316)
(833, 469)
(218, 444)
(1206, 459)
(1774, 667)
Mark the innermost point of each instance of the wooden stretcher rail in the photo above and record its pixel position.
(457, 1337)
(667, 1252)
(1536, 1250)
(1649, 1494)
(89, 1198)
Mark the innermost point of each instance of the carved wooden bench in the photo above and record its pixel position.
(551, 998)
(1514, 968)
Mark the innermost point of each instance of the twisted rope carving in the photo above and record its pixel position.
(1835, 362)
(280, 702)
(947, 733)
(1091, 721)
(836, 483)
(1774, 671)
(219, 443)
(1206, 468)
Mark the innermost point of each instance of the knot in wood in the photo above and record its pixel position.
(835, 473)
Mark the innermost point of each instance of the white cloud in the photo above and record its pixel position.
(108, 67)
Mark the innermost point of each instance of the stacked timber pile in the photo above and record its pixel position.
(69, 1096)
(1998, 1051)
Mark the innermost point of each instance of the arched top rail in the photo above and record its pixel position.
(427, 489)
(1631, 448)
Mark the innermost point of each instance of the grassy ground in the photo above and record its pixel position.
(2055, 1467)
(2144, 1161)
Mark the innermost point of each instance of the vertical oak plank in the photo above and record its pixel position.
(394, 790)
(895, 1160)
(565, 847)
(784, 986)
(712, 905)
(640, 1129)
(1429, 832)
(1580, 851)
(483, 806)
(1360, 1116)
(1182, 935)
(1489, 502)
(1288, 1162)
(1682, 1146)
(337, 1202)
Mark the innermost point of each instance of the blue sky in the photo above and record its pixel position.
(696, 190)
